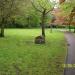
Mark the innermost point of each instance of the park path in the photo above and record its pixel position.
(70, 59)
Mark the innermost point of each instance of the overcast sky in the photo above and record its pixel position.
(55, 0)
(57, 5)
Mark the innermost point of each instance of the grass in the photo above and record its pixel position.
(20, 56)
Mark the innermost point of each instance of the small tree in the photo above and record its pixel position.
(53, 18)
(44, 7)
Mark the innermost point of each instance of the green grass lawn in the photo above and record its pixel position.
(20, 56)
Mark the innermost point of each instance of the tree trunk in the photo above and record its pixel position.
(74, 29)
(51, 28)
(2, 28)
(69, 28)
(2, 31)
(43, 23)
(43, 29)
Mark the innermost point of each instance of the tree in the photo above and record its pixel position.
(69, 10)
(61, 1)
(27, 16)
(44, 7)
(6, 10)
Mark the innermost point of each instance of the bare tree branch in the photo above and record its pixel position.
(49, 10)
(41, 5)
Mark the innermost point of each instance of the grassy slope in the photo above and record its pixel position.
(20, 56)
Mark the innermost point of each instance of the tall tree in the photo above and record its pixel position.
(6, 9)
(68, 8)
